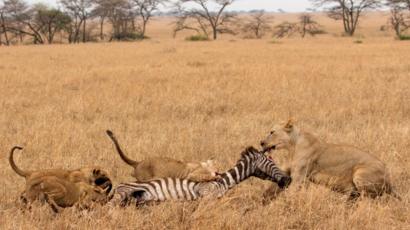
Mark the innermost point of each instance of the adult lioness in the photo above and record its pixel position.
(344, 168)
(160, 167)
(60, 193)
(94, 176)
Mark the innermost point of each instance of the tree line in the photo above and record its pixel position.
(85, 20)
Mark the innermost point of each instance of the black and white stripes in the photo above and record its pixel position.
(252, 163)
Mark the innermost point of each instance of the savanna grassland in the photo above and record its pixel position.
(201, 100)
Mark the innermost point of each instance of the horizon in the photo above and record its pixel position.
(241, 5)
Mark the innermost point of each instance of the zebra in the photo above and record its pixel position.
(251, 163)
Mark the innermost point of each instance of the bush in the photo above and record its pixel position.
(129, 36)
(275, 42)
(198, 37)
(404, 37)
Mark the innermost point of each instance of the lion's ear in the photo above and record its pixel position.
(290, 125)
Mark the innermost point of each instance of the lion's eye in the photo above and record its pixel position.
(272, 132)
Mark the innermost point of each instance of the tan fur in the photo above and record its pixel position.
(160, 167)
(343, 168)
(94, 176)
(60, 193)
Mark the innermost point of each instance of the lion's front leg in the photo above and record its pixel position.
(300, 174)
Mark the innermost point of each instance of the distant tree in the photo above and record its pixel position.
(400, 16)
(21, 20)
(308, 26)
(101, 11)
(202, 19)
(285, 29)
(3, 27)
(349, 11)
(15, 15)
(258, 24)
(121, 15)
(281, 11)
(79, 11)
(145, 11)
(50, 21)
(305, 26)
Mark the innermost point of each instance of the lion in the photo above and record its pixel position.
(160, 167)
(60, 193)
(94, 176)
(343, 168)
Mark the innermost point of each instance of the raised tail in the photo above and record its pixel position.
(13, 165)
(120, 152)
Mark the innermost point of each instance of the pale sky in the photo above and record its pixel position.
(269, 5)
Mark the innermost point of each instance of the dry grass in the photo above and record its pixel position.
(194, 101)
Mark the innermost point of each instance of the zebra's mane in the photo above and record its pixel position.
(249, 152)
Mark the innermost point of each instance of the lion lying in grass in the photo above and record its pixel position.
(343, 168)
(161, 167)
(81, 181)
(60, 193)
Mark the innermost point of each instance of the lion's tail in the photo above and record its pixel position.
(13, 165)
(120, 152)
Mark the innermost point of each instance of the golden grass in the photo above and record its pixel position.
(192, 101)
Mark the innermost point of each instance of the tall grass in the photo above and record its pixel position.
(58, 100)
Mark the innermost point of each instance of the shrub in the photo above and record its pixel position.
(129, 36)
(198, 37)
(275, 42)
(404, 37)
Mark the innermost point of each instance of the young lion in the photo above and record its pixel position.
(94, 176)
(344, 168)
(60, 193)
(160, 167)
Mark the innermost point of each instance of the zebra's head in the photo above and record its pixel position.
(264, 168)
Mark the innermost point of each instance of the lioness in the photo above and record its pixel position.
(94, 176)
(60, 193)
(344, 168)
(160, 167)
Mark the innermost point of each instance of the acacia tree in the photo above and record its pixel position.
(400, 16)
(285, 29)
(121, 15)
(79, 11)
(21, 20)
(3, 27)
(145, 10)
(257, 24)
(206, 15)
(305, 26)
(349, 11)
(308, 26)
(50, 21)
(101, 10)
(15, 12)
